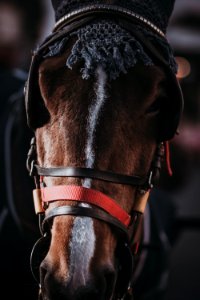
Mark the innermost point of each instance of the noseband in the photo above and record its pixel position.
(100, 206)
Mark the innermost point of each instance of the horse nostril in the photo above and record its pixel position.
(45, 278)
(43, 272)
(54, 288)
(110, 279)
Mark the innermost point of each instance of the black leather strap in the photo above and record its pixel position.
(107, 10)
(91, 212)
(92, 173)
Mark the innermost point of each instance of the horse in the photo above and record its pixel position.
(102, 120)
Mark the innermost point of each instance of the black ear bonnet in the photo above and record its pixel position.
(124, 44)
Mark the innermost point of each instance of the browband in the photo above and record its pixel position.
(115, 10)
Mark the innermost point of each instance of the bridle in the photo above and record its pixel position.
(101, 206)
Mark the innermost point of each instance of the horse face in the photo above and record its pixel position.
(101, 124)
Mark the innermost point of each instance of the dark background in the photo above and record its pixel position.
(184, 186)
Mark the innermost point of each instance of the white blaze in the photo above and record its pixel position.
(83, 237)
(94, 112)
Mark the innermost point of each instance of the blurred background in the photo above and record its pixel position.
(184, 185)
(23, 24)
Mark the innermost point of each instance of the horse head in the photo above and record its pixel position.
(102, 99)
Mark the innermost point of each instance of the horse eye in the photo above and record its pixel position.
(155, 107)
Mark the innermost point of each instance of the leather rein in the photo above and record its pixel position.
(100, 206)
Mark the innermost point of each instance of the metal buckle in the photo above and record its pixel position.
(150, 180)
(32, 168)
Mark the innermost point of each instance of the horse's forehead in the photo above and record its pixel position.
(141, 76)
(136, 88)
(144, 75)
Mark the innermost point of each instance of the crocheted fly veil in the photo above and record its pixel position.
(113, 34)
(105, 43)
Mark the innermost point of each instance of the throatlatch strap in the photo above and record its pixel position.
(82, 194)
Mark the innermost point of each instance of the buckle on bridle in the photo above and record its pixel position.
(32, 169)
(150, 181)
(31, 158)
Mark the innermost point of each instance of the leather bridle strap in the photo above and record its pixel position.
(92, 212)
(106, 9)
(85, 195)
(91, 173)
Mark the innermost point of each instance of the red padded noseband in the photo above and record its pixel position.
(86, 195)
